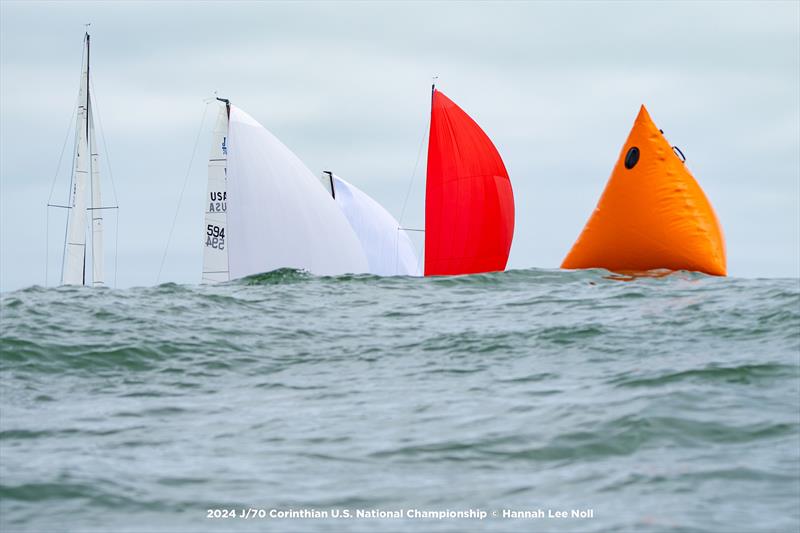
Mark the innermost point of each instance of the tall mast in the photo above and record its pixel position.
(88, 145)
(88, 66)
(73, 267)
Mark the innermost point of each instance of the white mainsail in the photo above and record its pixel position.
(278, 216)
(84, 194)
(74, 262)
(215, 253)
(388, 248)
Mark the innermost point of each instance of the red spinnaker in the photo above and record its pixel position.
(469, 204)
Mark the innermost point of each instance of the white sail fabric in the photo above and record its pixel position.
(73, 266)
(215, 252)
(96, 212)
(278, 215)
(388, 248)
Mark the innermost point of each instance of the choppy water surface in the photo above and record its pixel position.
(661, 404)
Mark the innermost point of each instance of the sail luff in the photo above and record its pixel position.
(73, 265)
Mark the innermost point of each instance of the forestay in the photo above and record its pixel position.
(388, 248)
(278, 216)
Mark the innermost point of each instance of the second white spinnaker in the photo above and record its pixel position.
(388, 248)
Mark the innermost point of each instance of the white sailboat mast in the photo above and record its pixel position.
(74, 259)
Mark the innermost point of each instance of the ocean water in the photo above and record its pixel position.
(653, 404)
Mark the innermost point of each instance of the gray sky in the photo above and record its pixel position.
(347, 87)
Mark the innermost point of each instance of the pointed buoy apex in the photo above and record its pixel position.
(651, 215)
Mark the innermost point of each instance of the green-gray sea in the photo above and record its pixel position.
(661, 404)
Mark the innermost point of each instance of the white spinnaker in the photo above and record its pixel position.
(96, 212)
(215, 252)
(278, 215)
(388, 248)
(75, 242)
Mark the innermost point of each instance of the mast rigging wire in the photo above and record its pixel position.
(53, 185)
(183, 190)
(50, 196)
(408, 193)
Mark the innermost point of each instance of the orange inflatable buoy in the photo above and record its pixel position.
(652, 214)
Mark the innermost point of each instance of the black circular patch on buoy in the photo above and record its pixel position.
(631, 158)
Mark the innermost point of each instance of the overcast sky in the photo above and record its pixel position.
(346, 86)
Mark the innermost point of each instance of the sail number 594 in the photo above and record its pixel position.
(215, 237)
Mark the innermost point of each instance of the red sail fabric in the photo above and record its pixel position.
(469, 204)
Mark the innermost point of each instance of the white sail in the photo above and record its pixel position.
(73, 266)
(278, 215)
(96, 212)
(215, 252)
(388, 248)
